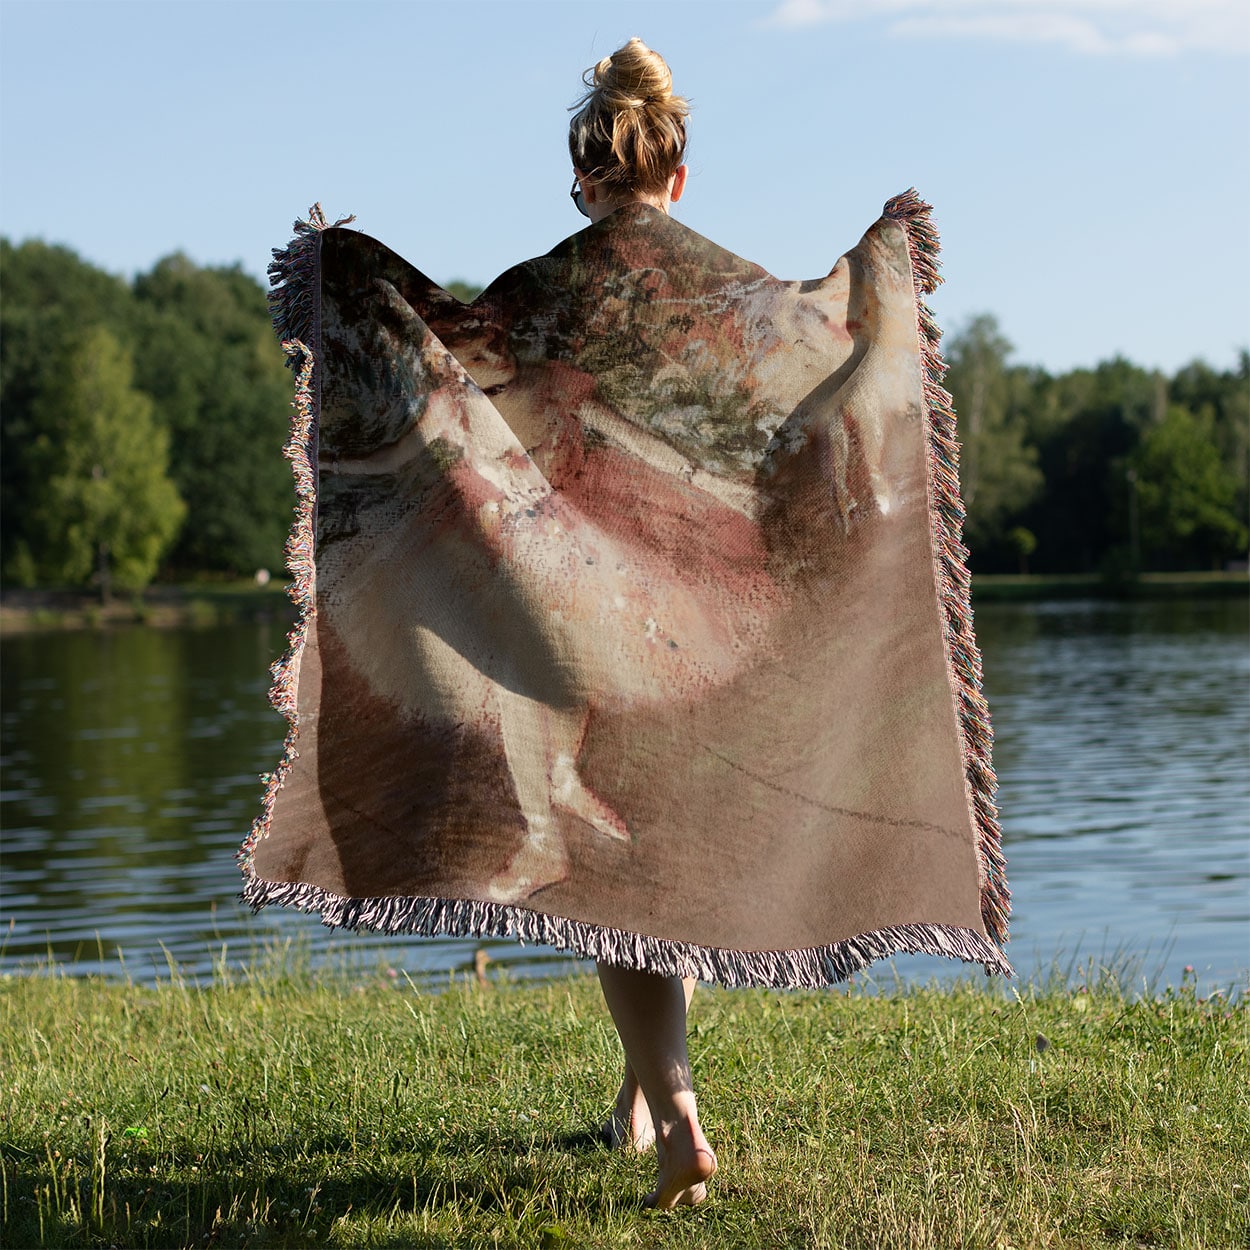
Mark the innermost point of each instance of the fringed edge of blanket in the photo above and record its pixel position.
(951, 566)
(295, 276)
(809, 968)
(284, 673)
(294, 303)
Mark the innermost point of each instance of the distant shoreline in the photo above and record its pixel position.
(205, 604)
(1008, 587)
(163, 606)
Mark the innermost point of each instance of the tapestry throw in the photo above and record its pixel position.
(633, 613)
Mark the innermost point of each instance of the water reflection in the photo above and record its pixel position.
(131, 759)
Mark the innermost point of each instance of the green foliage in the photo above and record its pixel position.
(1096, 418)
(998, 468)
(106, 508)
(51, 298)
(205, 357)
(1053, 456)
(208, 355)
(465, 292)
(1187, 492)
(1223, 401)
(274, 1108)
(1024, 543)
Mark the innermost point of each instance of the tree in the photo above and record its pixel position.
(51, 297)
(1023, 543)
(1223, 398)
(997, 467)
(106, 508)
(465, 292)
(1187, 493)
(208, 357)
(1087, 423)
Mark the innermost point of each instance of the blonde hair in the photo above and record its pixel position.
(629, 131)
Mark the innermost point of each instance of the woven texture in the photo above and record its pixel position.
(634, 616)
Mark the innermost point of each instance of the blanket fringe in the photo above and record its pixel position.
(284, 673)
(951, 560)
(810, 968)
(295, 275)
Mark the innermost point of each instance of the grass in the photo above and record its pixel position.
(284, 1108)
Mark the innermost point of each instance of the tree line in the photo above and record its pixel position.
(1114, 470)
(140, 424)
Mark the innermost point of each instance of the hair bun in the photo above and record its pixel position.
(633, 77)
(629, 131)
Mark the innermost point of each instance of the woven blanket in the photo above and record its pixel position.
(634, 618)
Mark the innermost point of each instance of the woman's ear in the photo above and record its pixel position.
(588, 186)
(678, 184)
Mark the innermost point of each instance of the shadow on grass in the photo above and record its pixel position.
(288, 1195)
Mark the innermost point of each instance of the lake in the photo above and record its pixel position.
(131, 760)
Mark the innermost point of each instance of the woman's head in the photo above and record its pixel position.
(629, 131)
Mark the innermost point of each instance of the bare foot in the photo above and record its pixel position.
(629, 1126)
(686, 1165)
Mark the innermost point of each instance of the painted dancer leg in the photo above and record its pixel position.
(649, 1012)
(629, 1127)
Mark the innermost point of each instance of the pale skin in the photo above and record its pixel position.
(656, 1103)
(600, 202)
(649, 1012)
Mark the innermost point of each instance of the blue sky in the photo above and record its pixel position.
(1089, 160)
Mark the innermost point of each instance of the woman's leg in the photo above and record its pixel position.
(650, 1015)
(629, 1126)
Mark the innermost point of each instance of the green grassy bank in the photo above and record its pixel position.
(167, 606)
(999, 587)
(280, 1109)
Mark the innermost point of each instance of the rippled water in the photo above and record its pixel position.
(131, 758)
(1123, 753)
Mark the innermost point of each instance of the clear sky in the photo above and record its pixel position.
(1089, 160)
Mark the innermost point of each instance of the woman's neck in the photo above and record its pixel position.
(602, 208)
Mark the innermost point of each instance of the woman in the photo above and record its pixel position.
(640, 624)
(628, 141)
